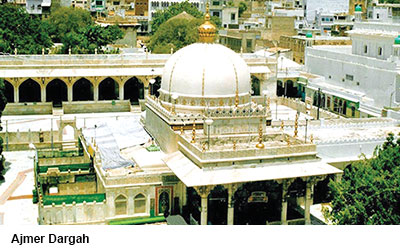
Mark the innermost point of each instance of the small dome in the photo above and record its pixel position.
(397, 40)
(358, 8)
(205, 70)
(309, 35)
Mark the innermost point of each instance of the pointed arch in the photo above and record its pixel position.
(140, 203)
(133, 90)
(82, 90)
(120, 205)
(29, 91)
(9, 91)
(108, 89)
(56, 91)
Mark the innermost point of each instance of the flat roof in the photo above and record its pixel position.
(191, 175)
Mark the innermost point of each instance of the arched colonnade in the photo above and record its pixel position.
(68, 89)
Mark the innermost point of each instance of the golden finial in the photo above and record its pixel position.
(311, 138)
(282, 125)
(234, 145)
(194, 132)
(182, 131)
(296, 124)
(288, 140)
(268, 103)
(207, 30)
(237, 98)
(204, 147)
(260, 144)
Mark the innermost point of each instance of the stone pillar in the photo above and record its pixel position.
(43, 93)
(231, 211)
(203, 191)
(338, 177)
(146, 92)
(70, 93)
(307, 203)
(16, 94)
(204, 203)
(231, 205)
(121, 92)
(285, 189)
(96, 92)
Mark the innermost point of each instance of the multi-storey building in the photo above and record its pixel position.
(363, 77)
(298, 44)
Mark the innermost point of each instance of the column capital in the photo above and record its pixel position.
(312, 180)
(233, 187)
(203, 191)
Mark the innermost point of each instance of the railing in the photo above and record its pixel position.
(69, 199)
(275, 151)
(56, 153)
(65, 168)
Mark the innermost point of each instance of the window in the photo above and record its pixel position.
(248, 43)
(115, 3)
(380, 51)
(365, 49)
(120, 205)
(349, 77)
(140, 203)
(377, 15)
(215, 3)
(215, 13)
(233, 16)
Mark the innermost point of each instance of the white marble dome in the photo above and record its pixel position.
(205, 70)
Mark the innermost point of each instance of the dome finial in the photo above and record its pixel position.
(207, 30)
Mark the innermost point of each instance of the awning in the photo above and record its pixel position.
(335, 93)
(191, 175)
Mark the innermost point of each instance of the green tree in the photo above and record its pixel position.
(176, 34)
(85, 40)
(242, 8)
(161, 16)
(21, 31)
(369, 192)
(65, 20)
(3, 103)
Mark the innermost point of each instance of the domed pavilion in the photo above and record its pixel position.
(217, 140)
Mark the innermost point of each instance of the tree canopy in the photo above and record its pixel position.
(161, 16)
(3, 103)
(369, 192)
(242, 8)
(65, 20)
(176, 34)
(85, 40)
(19, 30)
(73, 27)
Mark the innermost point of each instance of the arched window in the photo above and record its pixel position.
(140, 203)
(120, 205)
(365, 49)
